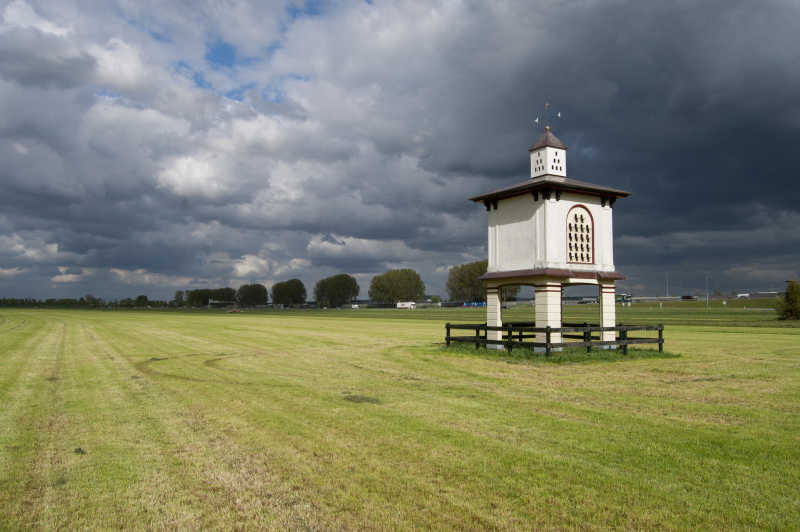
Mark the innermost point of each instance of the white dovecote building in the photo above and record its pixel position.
(551, 231)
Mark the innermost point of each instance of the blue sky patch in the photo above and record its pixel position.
(200, 80)
(220, 53)
(307, 8)
(185, 69)
(238, 93)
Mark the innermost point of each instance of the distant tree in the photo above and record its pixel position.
(141, 301)
(194, 298)
(397, 285)
(179, 301)
(198, 298)
(223, 294)
(250, 295)
(463, 283)
(92, 301)
(291, 292)
(336, 290)
(789, 305)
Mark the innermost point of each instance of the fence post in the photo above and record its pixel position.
(660, 337)
(510, 338)
(477, 336)
(547, 340)
(447, 337)
(624, 335)
(587, 337)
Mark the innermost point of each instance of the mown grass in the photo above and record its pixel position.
(311, 420)
(564, 356)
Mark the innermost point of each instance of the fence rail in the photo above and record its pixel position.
(514, 334)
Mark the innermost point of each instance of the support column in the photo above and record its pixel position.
(494, 316)
(548, 309)
(608, 310)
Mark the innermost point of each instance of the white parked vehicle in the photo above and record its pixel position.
(409, 305)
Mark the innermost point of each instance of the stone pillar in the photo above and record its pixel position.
(608, 310)
(548, 309)
(494, 316)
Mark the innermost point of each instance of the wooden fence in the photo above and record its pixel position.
(515, 334)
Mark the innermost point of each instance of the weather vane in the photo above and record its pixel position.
(547, 115)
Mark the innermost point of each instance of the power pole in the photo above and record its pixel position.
(706, 292)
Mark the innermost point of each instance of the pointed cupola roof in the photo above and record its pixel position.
(549, 140)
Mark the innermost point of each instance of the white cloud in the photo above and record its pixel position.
(6, 273)
(32, 249)
(294, 265)
(254, 266)
(141, 276)
(334, 246)
(251, 265)
(19, 13)
(64, 277)
(119, 64)
(192, 176)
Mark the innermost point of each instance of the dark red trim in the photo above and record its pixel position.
(552, 272)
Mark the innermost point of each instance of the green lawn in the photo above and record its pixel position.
(361, 419)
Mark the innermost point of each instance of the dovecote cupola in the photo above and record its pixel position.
(548, 156)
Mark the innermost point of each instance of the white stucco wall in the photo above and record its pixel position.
(512, 238)
(525, 234)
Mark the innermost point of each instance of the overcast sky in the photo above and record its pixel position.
(147, 147)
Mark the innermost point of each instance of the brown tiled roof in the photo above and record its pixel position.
(551, 182)
(548, 139)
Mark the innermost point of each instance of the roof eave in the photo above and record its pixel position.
(539, 147)
(525, 188)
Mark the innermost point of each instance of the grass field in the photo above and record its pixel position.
(361, 419)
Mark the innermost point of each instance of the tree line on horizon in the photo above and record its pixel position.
(390, 287)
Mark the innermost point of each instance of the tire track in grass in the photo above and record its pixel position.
(239, 485)
(20, 394)
(34, 421)
(14, 354)
(125, 479)
(293, 455)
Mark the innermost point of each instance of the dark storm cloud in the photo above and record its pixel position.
(360, 136)
(31, 57)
